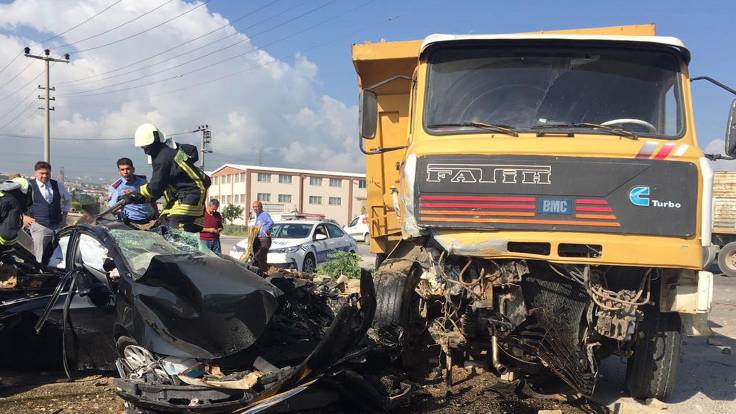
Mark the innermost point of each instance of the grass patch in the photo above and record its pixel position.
(235, 230)
(341, 263)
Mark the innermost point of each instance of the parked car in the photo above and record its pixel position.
(302, 244)
(358, 228)
(186, 330)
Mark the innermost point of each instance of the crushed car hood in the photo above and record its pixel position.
(200, 307)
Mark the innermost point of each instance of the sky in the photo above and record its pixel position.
(272, 78)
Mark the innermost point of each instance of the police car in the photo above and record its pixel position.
(302, 244)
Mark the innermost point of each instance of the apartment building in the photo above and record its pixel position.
(338, 196)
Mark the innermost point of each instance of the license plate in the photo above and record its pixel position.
(554, 206)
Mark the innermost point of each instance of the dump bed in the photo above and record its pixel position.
(724, 202)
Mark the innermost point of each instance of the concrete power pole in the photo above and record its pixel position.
(206, 139)
(46, 58)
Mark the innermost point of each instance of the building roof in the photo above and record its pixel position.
(287, 170)
(658, 40)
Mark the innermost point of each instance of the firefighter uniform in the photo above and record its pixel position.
(176, 178)
(14, 201)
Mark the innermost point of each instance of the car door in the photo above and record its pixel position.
(92, 308)
(321, 247)
(338, 239)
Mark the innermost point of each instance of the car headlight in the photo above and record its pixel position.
(285, 250)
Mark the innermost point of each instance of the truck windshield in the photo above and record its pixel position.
(530, 88)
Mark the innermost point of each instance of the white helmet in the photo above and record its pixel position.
(147, 134)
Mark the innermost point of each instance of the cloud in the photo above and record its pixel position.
(270, 109)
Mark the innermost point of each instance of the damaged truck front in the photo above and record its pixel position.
(537, 202)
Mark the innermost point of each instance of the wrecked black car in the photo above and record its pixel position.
(185, 329)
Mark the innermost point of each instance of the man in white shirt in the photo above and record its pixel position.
(51, 203)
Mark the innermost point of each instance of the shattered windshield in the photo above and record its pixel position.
(527, 87)
(291, 230)
(139, 247)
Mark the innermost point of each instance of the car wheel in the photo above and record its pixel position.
(367, 238)
(309, 265)
(727, 259)
(652, 369)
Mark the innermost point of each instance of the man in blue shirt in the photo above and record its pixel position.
(263, 243)
(128, 183)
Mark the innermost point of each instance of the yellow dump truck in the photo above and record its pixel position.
(537, 201)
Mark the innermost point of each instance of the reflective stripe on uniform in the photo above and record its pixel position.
(144, 191)
(4, 242)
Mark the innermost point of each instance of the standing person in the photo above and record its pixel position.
(263, 243)
(51, 203)
(15, 198)
(210, 233)
(175, 177)
(127, 183)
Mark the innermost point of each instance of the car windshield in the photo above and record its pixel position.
(524, 88)
(291, 230)
(139, 247)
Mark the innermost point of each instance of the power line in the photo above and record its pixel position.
(66, 45)
(10, 94)
(12, 108)
(16, 75)
(18, 115)
(81, 23)
(23, 136)
(158, 54)
(208, 66)
(11, 62)
(254, 50)
(145, 31)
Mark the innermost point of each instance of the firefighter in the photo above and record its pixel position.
(175, 177)
(15, 199)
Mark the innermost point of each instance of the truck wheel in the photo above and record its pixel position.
(652, 369)
(380, 257)
(395, 298)
(727, 259)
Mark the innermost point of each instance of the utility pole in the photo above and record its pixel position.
(206, 139)
(46, 58)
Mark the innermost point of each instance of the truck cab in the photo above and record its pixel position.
(547, 189)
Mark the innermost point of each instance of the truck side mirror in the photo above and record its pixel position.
(368, 114)
(731, 131)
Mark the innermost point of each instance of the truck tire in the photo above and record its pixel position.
(652, 369)
(727, 259)
(380, 257)
(394, 299)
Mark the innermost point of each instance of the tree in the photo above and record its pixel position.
(232, 212)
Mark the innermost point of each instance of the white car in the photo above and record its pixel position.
(358, 228)
(302, 244)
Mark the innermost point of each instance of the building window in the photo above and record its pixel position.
(241, 198)
(264, 197)
(361, 184)
(264, 178)
(227, 199)
(315, 181)
(242, 177)
(335, 182)
(227, 179)
(284, 198)
(335, 201)
(315, 200)
(216, 180)
(284, 179)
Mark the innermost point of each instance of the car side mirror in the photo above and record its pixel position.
(108, 265)
(731, 131)
(368, 109)
(320, 237)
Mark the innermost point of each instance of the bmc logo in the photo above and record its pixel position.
(639, 196)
